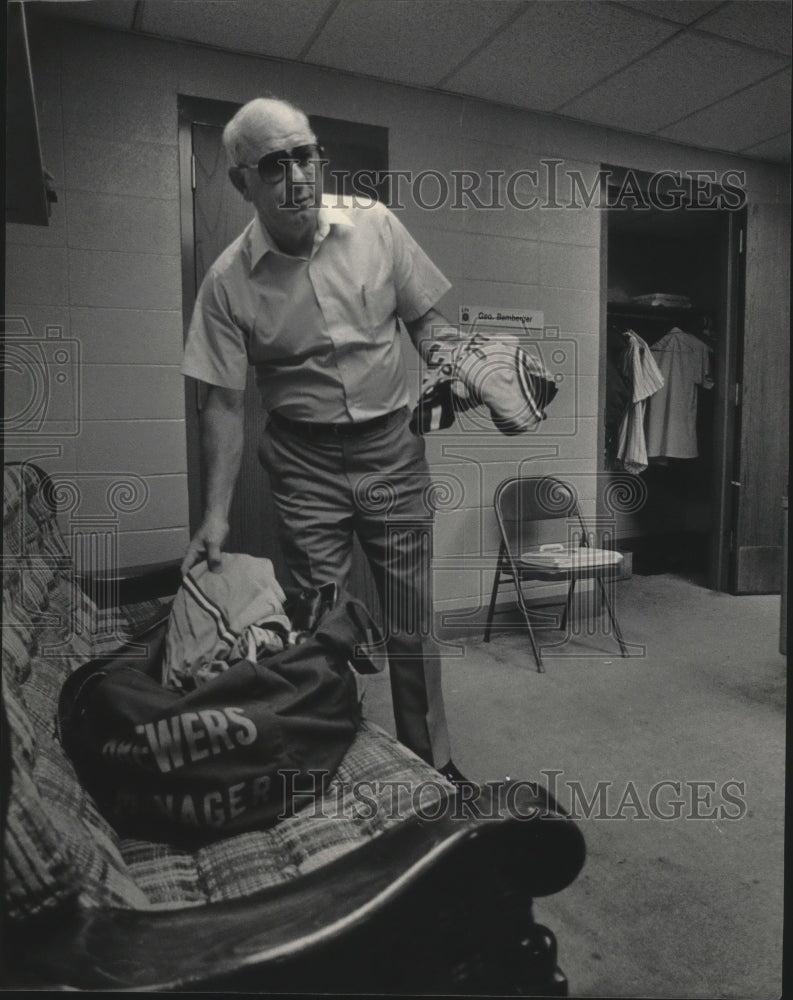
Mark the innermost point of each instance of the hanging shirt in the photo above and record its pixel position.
(644, 377)
(618, 399)
(684, 361)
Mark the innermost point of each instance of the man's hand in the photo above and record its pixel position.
(222, 421)
(206, 543)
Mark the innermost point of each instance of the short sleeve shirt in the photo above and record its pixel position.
(321, 331)
(684, 362)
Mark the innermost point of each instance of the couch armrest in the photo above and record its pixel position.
(132, 585)
(404, 911)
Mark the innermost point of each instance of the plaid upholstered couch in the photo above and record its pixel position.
(346, 898)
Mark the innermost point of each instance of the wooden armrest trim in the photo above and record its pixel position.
(133, 584)
(177, 949)
(170, 949)
(137, 572)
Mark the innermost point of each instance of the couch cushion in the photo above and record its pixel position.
(378, 784)
(57, 844)
(38, 871)
(35, 562)
(54, 839)
(30, 526)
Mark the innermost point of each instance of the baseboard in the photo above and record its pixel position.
(452, 623)
(457, 623)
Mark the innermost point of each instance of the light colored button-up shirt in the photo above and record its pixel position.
(645, 378)
(322, 330)
(684, 362)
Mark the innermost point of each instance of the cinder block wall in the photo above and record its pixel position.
(107, 272)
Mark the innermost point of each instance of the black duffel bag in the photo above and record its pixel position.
(238, 752)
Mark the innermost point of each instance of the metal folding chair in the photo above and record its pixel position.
(530, 510)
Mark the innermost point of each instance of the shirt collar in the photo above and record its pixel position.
(334, 211)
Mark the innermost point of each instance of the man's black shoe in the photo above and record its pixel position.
(451, 773)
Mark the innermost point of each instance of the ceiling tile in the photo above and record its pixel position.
(766, 24)
(688, 73)
(111, 13)
(742, 120)
(683, 11)
(556, 50)
(777, 150)
(412, 41)
(692, 71)
(278, 28)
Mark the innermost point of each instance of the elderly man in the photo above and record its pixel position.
(309, 294)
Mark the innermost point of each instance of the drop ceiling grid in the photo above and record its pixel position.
(553, 52)
(411, 42)
(641, 66)
(677, 79)
(741, 120)
(111, 13)
(276, 27)
(776, 149)
(765, 25)
(682, 11)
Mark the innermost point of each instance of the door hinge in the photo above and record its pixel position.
(740, 241)
(735, 482)
(192, 171)
(737, 393)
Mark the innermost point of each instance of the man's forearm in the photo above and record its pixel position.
(222, 425)
(428, 330)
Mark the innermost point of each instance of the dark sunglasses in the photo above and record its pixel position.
(273, 167)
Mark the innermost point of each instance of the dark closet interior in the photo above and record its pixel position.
(666, 272)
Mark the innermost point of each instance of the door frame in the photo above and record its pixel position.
(726, 446)
(193, 111)
(730, 441)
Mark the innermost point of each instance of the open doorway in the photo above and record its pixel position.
(672, 283)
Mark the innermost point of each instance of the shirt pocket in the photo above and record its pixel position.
(379, 307)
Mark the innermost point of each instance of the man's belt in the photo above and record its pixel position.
(309, 429)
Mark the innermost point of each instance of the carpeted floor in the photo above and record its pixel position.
(675, 900)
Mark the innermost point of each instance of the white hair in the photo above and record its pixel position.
(254, 120)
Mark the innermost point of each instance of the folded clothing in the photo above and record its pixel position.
(559, 556)
(486, 371)
(665, 299)
(512, 384)
(219, 618)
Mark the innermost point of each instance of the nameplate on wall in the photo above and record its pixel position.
(503, 317)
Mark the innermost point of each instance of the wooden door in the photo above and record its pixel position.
(220, 214)
(762, 392)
